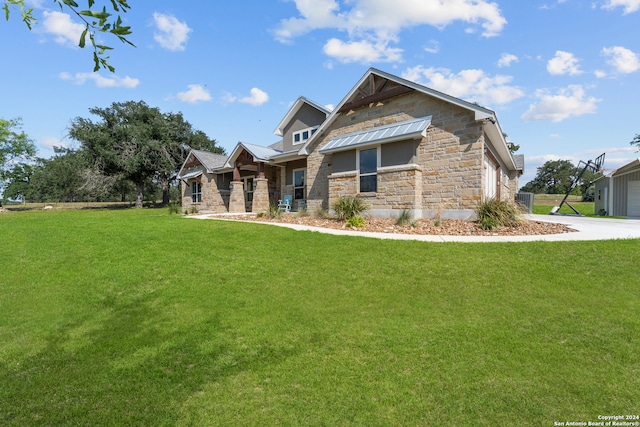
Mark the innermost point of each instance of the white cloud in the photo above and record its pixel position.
(194, 94)
(630, 6)
(256, 97)
(101, 81)
(507, 59)
(372, 24)
(49, 142)
(362, 51)
(564, 63)
(472, 85)
(433, 47)
(568, 102)
(600, 74)
(622, 59)
(610, 150)
(172, 34)
(59, 24)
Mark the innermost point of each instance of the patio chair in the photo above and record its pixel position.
(285, 203)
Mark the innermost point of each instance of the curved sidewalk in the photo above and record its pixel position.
(587, 229)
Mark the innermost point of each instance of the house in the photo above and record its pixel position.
(397, 144)
(618, 194)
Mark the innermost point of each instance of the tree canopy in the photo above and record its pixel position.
(556, 177)
(16, 147)
(95, 19)
(636, 141)
(138, 142)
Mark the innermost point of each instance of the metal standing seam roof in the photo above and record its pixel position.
(191, 174)
(379, 135)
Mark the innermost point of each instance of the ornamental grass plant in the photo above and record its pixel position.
(494, 212)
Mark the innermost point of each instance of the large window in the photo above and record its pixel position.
(303, 135)
(368, 170)
(196, 192)
(298, 184)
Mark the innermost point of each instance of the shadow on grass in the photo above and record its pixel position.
(132, 367)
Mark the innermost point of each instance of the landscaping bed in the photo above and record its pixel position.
(445, 227)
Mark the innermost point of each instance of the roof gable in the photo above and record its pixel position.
(376, 86)
(294, 110)
(208, 160)
(259, 153)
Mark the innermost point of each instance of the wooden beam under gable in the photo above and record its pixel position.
(375, 97)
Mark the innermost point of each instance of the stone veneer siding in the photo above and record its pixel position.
(213, 200)
(449, 159)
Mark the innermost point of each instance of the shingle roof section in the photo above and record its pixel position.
(210, 160)
(379, 135)
(518, 159)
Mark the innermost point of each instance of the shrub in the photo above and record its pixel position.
(274, 211)
(493, 213)
(347, 207)
(174, 208)
(356, 221)
(404, 218)
(194, 210)
(302, 212)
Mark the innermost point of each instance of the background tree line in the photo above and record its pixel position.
(132, 152)
(557, 176)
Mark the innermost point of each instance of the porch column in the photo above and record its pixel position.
(260, 195)
(236, 198)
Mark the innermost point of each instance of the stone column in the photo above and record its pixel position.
(236, 199)
(260, 195)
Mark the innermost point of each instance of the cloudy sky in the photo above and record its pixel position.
(562, 75)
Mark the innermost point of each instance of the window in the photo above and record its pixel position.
(298, 184)
(368, 164)
(196, 192)
(303, 135)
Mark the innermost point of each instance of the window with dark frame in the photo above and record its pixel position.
(196, 192)
(368, 170)
(298, 184)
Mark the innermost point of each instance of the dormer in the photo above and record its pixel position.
(300, 123)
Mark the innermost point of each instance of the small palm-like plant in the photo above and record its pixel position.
(347, 207)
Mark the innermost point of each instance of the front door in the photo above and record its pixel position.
(248, 192)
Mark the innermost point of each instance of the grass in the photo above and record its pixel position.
(138, 317)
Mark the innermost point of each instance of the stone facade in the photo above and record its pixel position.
(213, 199)
(443, 173)
(448, 178)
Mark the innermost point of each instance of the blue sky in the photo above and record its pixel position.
(562, 75)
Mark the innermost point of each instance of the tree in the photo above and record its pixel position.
(554, 177)
(16, 147)
(138, 142)
(94, 20)
(636, 141)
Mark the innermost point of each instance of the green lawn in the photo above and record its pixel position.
(136, 317)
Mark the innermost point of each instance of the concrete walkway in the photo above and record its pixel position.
(587, 229)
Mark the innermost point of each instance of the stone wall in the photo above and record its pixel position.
(449, 157)
(213, 200)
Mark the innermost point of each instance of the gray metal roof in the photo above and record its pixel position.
(379, 135)
(191, 174)
(259, 152)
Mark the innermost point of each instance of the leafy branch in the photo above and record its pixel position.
(95, 21)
